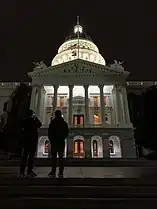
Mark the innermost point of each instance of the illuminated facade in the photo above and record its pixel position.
(93, 140)
(92, 97)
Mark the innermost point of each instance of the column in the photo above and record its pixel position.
(122, 104)
(118, 105)
(126, 108)
(54, 99)
(102, 104)
(39, 101)
(115, 114)
(86, 105)
(33, 98)
(42, 109)
(70, 112)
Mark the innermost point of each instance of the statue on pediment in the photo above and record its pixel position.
(118, 62)
(117, 65)
(39, 65)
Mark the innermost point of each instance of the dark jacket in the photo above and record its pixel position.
(30, 129)
(58, 130)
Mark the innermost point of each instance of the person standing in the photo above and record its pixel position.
(30, 139)
(57, 133)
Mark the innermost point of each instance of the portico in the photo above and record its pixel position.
(98, 104)
(89, 102)
(91, 95)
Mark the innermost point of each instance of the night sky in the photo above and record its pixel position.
(121, 30)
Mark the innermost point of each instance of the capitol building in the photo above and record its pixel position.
(92, 97)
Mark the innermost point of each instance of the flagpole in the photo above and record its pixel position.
(78, 35)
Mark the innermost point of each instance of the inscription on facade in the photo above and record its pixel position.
(77, 70)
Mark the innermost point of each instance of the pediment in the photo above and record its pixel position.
(77, 68)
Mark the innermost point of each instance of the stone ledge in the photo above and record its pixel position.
(92, 203)
(87, 162)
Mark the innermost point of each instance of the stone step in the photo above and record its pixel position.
(79, 191)
(86, 162)
(78, 203)
(88, 172)
(13, 181)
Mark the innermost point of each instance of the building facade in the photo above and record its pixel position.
(92, 97)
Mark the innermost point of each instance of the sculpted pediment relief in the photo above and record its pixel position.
(82, 67)
(78, 68)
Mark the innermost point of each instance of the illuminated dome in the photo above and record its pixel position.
(78, 46)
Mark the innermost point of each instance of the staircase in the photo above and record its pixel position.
(74, 193)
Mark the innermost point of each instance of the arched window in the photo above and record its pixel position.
(78, 148)
(46, 147)
(95, 148)
(111, 147)
(115, 147)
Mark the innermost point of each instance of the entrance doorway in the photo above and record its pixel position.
(78, 120)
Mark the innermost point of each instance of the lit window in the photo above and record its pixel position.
(95, 98)
(61, 101)
(105, 100)
(95, 148)
(75, 147)
(96, 119)
(75, 120)
(46, 147)
(79, 148)
(81, 120)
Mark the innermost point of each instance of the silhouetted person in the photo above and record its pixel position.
(58, 131)
(30, 139)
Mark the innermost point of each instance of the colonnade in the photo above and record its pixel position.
(120, 103)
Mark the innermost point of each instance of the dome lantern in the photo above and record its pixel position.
(78, 28)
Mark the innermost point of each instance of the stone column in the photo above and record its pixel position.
(86, 105)
(102, 104)
(122, 104)
(118, 105)
(39, 101)
(114, 106)
(33, 98)
(54, 100)
(126, 108)
(42, 109)
(70, 104)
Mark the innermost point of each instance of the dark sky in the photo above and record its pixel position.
(122, 30)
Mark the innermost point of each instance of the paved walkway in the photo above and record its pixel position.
(89, 172)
